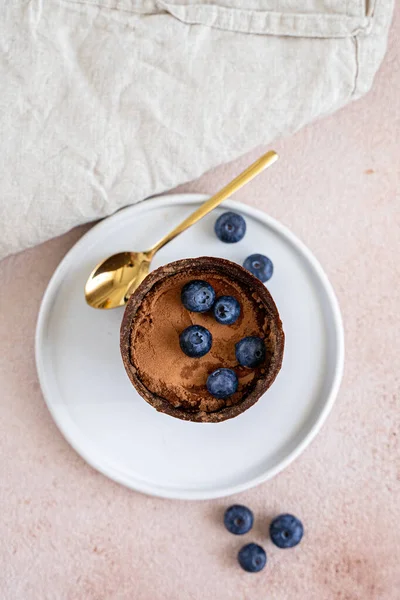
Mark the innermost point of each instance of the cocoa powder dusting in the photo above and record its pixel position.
(162, 366)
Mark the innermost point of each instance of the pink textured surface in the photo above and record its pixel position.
(69, 533)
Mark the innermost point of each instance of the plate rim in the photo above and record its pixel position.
(188, 493)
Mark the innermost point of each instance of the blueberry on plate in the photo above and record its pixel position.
(198, 296)
(250, 351)
(238, 519)
(226, 310)
(286, 531)
(222, 383)
(195, 341)
(252, 558)
(261, 266)
(230, 227)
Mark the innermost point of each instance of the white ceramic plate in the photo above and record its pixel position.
(104, 419)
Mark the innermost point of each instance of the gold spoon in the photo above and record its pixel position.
(113, 280)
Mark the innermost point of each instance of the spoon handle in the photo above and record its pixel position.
(252, 171)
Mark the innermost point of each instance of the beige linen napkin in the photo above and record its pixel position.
(104, 103)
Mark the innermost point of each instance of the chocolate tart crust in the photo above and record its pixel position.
(200, 268)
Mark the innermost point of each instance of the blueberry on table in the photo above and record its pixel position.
(195, 341)
(198, 296)
(226, 310)
(230, 227)
(252, 558)
(261, 266)
(286, 531)
(250, 351)
(238, 519)
(222, 383)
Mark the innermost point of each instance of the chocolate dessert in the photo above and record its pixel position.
(175, 383)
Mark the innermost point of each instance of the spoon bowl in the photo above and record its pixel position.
(113, 280)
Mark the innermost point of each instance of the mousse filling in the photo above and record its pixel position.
(159, 361)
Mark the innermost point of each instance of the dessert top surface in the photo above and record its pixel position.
(159, 360)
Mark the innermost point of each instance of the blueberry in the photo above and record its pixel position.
(250, 351)
(238, 519)
(198, 296)
(222, 383)
(195, 341)
(286, 531)
(252, 558)
(261, 266)
(226, 310)
(230, 227)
